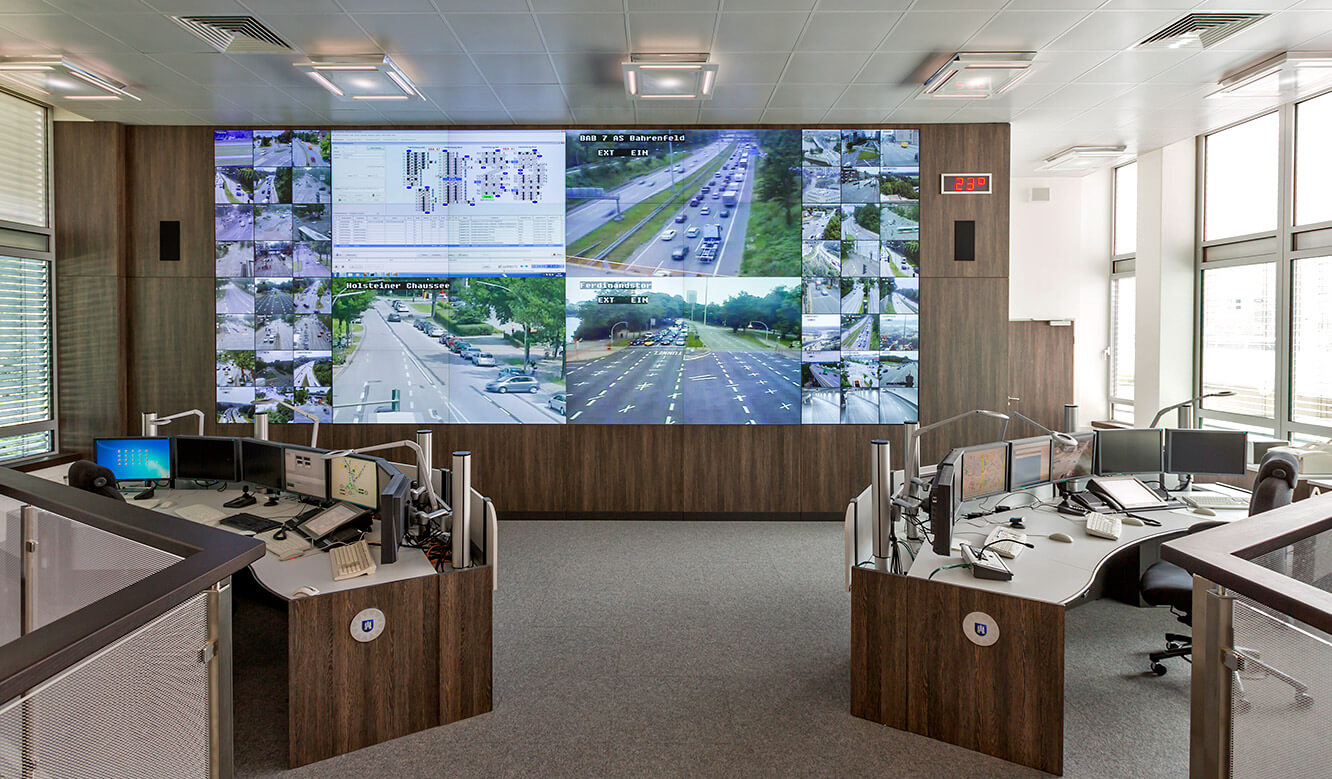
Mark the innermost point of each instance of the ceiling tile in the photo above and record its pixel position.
(1135, 66)
(1023, 30)
(466, 116)
(289, 6)
(749, 68)
(864, 5)
(454, 99)
(382, 6)
(59, 31)
(604, 114)
(912, 111)
(195, 7)
(439, 70)
(421, 114)
(873, 97)
(606, 6)
(394, 33)
(828, 68)
(715, 114)
(1082, 96)
(495, 32)
(972, 112)
(1132, 5)
(676, 5)
(482, 6)
(40, 7)
(1052, 5)
(742, 95)
(589, 67)
(852, 116)
(583, 97)
(898, 68)
(1112, 30)
(850, 31)
(214, 68)
(933, 31)
(792, 116)
(78, 7)
(147, 32)
(518, 68)
(684, 32)
(751, 32)
(582, 32)
(520, 100)
(1061, 67)
(677, 114)
(1280, 32)
(319, 33)
(14, 44)
(966, 5)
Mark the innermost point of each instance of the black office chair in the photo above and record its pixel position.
(1166, 584)
(88, 475)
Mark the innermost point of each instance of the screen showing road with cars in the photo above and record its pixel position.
(698, 276)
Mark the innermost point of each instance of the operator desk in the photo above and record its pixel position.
(344, 694)
(913, 666)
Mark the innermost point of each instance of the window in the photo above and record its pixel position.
(1240, 179)
(1311, 342)
(1313, 161)
(1239, 338)
(23, 162)
(1122, 311)
(1126, 209)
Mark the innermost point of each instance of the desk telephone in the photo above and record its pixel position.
(1114, 494)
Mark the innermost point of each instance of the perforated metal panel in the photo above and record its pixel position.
(139, 708)
(1281, 698)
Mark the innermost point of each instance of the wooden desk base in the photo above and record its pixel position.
(431, 666)
(913, 669)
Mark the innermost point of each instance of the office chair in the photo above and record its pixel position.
(1166, 584)
(88, 475)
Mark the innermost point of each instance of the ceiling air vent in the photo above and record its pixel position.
(233, 34)
(1200, 31)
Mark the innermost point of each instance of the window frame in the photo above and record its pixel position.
(46, 235)
(1122, 265)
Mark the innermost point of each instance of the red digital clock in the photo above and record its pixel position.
(966, 183)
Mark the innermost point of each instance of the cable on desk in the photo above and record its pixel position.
(945, 568)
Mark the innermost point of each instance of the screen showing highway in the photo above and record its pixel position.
(698, 276)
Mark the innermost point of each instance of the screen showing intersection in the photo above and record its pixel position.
(710, 276)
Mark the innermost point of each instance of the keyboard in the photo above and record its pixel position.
(351, 560)
(1213, 500)
(1006, 536)
(1103, 526)
(294, 545)
(202, 514)
(250, 522)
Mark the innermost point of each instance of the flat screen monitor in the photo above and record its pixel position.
(1129, 451)
(134, 459)
(1028, 462)
(1073, 461)
(1207, 452)
(305, 472)
(984, 471)
(204, 457)
(354, 480)
(393, 499)
(261, 463)
(943, 503)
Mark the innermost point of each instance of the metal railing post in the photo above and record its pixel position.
(1210, 717)
(27, 624)
(217, 653)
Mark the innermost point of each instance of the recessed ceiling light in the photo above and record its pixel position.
(360, 77)
(1083, 159)
(57, 77)
(1284, 75)
(978, 75)
(669, 77)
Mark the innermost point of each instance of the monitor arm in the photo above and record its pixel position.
(1063, 438)
(152, 421)
(314, 434)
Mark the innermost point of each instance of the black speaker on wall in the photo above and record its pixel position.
(964, 240)
(168, 241)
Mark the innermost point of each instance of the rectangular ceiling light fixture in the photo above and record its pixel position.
(978, 75)
(361, 77)
(669, 77)
(1282, 76)
(57, 77)
(1083, 159)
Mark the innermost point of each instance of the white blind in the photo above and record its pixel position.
(25, 341)
(1123, 309)
(23, 160)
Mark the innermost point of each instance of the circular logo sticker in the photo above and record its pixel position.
(980, 628)
(367, 625)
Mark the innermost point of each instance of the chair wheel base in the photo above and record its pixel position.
(1159, 669)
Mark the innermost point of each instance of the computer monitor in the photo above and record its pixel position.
(1207, 452)
(261, 463)
(305, 472)
(984, 471)
(210, 458)
(1129, 451)
(393, 500)
(134, 459)
(1073, 461)
(1028, 462)
(354, 480)
(943, 503)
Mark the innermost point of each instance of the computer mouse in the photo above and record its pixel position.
(1061, 537)
(1131, 521)
(165, 504)
(1202, 511)
(305, 592)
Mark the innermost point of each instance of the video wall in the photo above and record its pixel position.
(734, 276)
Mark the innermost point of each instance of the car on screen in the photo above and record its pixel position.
(556, 403)
(484, 360)
(680, 218)
(510, 372)
(704, 211)
(725, 212)
(691, 232)
(680, 252)
(669, 235)
(693, 203)
(514, 384)
(469, 354)
(394, 317)
(434, 331)
(458, 346)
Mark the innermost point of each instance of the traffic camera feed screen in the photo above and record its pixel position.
(731, 276)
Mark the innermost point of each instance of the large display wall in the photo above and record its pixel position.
(713, 276)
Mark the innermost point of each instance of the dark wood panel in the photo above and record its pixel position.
(465, 600)
(344, 694)
(714, 457)
(89, 353)
(835, 463)
(1040, 374)
(172, 360)
(88, 181)
(964, 148)
(171, 176)
(613, 469)
(879, 617)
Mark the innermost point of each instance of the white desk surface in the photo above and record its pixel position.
(282, 578)
(1054, 571)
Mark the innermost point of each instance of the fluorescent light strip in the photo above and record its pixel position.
(633, 83)
(91, 97)
(21, 66)
(325, 83)
(345, 67)
(379, 97)
(670, 67)
(669, 97)
(401, 82)
(707, 81)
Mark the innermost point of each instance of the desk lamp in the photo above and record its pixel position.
(1063, 438)
(1186, 408)
(151, 421)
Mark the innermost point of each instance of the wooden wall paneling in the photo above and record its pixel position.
(89, 191)
(1040, 374)
(522, 468)
(879, 618)
(835, 464)
(615, 470)
(964, 148)
(344, 694)
(465, 649)
(172, 359)
(171, 175)
(741, 470)
(964, 359)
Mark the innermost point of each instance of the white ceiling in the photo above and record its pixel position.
(782, 61)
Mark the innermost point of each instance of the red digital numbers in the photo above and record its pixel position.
(967, 183)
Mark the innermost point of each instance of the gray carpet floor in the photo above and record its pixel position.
(707, 649)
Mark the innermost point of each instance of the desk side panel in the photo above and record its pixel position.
(878, 647)
(1005, 700)
(345, 695)
(465, 643)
